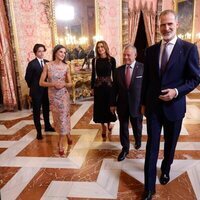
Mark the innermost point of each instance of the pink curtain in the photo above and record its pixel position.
(6, 65)
(149, 22)
(134, 17)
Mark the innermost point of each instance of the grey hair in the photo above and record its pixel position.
(165, 12)
(129, 46)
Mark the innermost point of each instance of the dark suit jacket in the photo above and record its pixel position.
(32, 77)
(182, 73)
(127, 100)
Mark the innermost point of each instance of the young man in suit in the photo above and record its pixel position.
(38, 94)
(171, 71)
(126, 98)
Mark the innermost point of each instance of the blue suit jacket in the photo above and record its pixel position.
(182, 73)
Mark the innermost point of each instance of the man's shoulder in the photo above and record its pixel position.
(185, 43)
(139, 63)
(156, 45)
(33, 61)
(120, 67)
(186, 46)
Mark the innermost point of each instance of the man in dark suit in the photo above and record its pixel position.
(171, 71)
(81, 53)
(126, 97)
(88, 57)
(38, 94)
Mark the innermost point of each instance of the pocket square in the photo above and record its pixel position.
(138, 76)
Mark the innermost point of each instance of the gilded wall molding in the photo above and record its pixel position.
(49, 8)
(15, 45)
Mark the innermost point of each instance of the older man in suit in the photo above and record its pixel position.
(38, 94)
(126, 98)
(171, 71)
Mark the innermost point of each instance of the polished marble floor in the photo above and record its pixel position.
(32, 169)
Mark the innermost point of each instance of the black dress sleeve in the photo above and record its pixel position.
(113, 67)
(93, 73)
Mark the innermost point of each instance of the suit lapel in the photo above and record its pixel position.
(174, 55)
(123, 78)
(157, 55)
(38, 64)
(134, 74)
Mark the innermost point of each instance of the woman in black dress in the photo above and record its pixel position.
(103, 66)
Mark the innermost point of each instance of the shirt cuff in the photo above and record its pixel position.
(176, 92)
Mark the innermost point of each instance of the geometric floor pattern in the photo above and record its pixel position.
(32, 169)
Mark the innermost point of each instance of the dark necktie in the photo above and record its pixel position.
(164, 59)
(128, 75)
(42, 64)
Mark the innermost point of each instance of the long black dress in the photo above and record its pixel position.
(101, 82)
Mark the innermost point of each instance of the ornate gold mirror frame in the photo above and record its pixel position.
(50, 12)
(84, 78)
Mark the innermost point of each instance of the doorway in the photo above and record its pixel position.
(141, 40)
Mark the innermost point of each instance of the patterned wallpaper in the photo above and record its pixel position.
(110, 26)
(32, 27)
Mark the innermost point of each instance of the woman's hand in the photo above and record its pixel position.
(59, 85)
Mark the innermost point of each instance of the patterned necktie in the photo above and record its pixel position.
(164, 59)
(128, 75)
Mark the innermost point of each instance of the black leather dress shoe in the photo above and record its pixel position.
(39, 136)
(164, 179)
(122, 155)
(148, 195)
(50, 129)
(137, 144)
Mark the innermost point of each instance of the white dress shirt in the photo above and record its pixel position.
(169, 48)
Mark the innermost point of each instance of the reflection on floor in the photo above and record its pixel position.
(32, 169)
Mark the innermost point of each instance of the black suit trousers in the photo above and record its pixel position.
(38, 102)
(172, 129)
(136, 123)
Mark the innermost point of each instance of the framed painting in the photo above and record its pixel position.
(185, 11)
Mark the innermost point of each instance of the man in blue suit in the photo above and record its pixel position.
(171, 71)
(38, 94)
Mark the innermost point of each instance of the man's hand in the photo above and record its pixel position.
(168, 94)
(113, 109)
